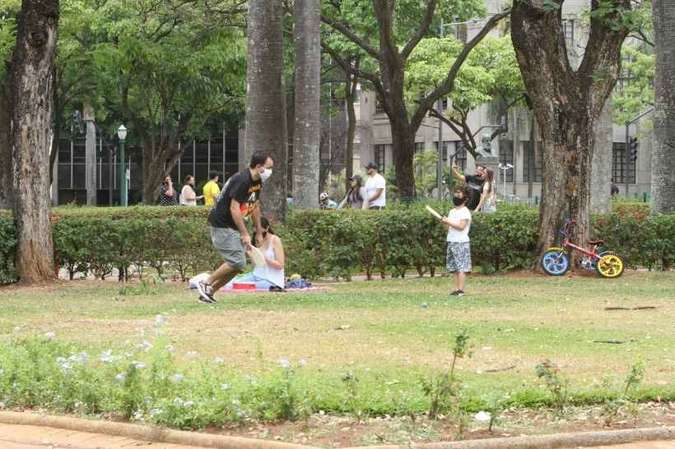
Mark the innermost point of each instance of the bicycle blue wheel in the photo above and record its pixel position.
(555, 262)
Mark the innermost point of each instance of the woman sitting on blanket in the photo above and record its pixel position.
(271, 275)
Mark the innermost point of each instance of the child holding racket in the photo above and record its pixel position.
(458, 223)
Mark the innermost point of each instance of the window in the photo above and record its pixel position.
(444, 104)
(460, 155)
(623, 169)
(379, 106)
(506, 157)
(419, 147)
(532, 163)
(568, 32)
(379, 155)
(445, 151)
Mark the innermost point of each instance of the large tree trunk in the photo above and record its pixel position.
(307, 131)
(31, 135)
(265, 108)
(159, 159)
(567, 104)
(351, 84)
(6, 181)
(663, 153)
(403, 140)
(601, 177)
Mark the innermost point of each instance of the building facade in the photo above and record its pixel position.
(633, 177)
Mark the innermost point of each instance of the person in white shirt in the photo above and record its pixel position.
(376, 189)
(188, 197)
(458, 223)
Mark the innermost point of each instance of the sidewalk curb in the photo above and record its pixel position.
(555, 441)
(145, 433)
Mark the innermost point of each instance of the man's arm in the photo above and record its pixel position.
(378, 193)
(235, 211)
(456, 173)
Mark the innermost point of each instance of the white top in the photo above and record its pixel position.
(373, 183)
(274, 275)
(184, 201)
(457, 214)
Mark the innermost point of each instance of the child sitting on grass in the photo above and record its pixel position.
(458, 223)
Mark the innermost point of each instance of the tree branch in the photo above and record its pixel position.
(349, 34)
(448, 84)
(422, 31)
(347, 68)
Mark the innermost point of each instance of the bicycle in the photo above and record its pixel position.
(556, 260)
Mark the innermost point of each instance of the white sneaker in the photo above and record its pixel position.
(205, 293)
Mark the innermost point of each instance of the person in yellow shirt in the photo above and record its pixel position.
(211, 190)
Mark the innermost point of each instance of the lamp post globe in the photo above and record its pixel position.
(124, 198)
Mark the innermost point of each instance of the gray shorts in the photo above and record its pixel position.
(459, 257)
(228, 243)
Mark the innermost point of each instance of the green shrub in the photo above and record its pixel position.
(174, 241)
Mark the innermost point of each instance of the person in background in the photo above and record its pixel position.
(188, 196)
(270, 276)
(325, 202)
(355, 195)
(211, 190)
(475, 184)
(488, 199)
(167, 194)
(376, 189)
(458, 223)
(614, 190)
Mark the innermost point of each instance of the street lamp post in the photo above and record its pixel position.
(504, 168)
(122, 134)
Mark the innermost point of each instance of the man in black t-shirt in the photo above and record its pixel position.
(239, 200)
(474, 183)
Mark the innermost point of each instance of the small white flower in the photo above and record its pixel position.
(160, 320)
(138, 365)
(218, 360)
(2, 371)
(107, 357)
(284, 363)
(224, 387)
(178, 402)
(177, 377)
(17, 329)
(191, 354)
(49, 335)
(120, 377)
(188, 404)
(145, 345)
(482, 416)
(170, 349)
(302, 362)
(155, 412)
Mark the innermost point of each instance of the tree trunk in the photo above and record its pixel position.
(567, 104)
(601, 177)
(265, 109)
(663, 153)
(351, 83)
(307, 131)
(31, 136)
(159, 159)
(6, 181)
(403, 139)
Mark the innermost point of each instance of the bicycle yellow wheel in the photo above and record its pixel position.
(610, 265)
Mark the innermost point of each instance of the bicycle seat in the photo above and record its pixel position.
(596, 242)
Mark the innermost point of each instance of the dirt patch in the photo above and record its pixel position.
(338, 432)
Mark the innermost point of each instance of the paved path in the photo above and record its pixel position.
(31, 437)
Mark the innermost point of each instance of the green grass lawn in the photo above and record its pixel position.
(390, 333)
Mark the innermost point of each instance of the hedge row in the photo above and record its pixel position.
(175, 241)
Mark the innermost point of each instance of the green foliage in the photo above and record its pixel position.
(555, 383)
(490, 72)
(175, 241)
(8, 11)
(637, 93)
(444, 391)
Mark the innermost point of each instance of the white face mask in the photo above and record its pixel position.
(265, 175)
